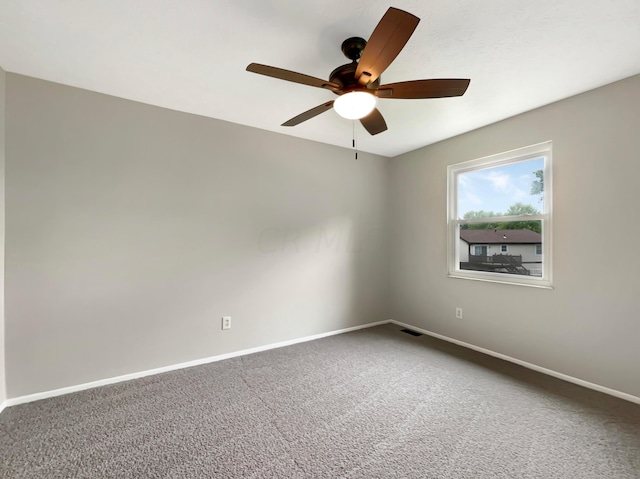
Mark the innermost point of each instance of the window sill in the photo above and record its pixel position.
(491, 278)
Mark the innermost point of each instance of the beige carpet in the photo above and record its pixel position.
(376, 403)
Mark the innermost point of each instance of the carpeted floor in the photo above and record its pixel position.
(375, 403)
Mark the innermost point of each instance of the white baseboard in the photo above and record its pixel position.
(127, 377)
(540, 369)
(197, 362)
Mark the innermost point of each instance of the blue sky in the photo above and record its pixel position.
(495, 189)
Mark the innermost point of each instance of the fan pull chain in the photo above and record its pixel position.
(354, 142)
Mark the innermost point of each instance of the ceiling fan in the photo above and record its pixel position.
(357, 84)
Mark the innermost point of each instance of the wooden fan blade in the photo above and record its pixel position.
(387, 40)
(294, 77)
(307, 115)
(374, 122)
(438, 88)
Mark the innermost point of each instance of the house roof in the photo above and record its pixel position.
(491, 236)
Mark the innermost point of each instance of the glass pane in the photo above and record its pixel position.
(481, 247)
(513, 189)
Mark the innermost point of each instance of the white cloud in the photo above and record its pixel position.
(499, 181)
(520, 195)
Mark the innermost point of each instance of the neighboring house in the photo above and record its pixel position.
(507, 251)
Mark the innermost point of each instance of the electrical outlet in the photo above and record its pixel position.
(226, 322)
(459, 313)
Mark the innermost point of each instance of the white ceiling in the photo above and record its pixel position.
(191, 55)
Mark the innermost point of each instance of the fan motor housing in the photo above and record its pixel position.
(345, 75)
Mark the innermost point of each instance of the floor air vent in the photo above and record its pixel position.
(412, 333)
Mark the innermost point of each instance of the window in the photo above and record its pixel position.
(480, 250)
(499, 217)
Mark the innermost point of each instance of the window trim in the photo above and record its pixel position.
(453, 223)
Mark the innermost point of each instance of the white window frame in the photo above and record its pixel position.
(504, 248)
(453, 223)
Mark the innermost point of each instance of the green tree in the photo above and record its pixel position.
(477, 215)
(516, 209)
(537, 186)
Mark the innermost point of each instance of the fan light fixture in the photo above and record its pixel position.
(354, 105)
(359, 80)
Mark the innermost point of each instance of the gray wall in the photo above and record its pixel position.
(132, 229)
(3, 390)
(587, 326)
